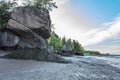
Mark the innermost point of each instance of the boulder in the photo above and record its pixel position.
(50, 49)
(66, 48)
(8, 39)
(31, 26)
(36, 20)
(2, 53)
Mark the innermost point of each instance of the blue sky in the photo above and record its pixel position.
(102, 10)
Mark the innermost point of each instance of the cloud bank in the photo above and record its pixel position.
(109, 30)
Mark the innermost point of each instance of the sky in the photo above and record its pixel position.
(94, 23)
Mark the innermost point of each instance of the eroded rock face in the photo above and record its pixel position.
(36, 20)
(36, 54)
(66, 48)
(50, 49)
(31, 26)
(8, 39)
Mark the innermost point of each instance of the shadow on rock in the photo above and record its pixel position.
(35, 54)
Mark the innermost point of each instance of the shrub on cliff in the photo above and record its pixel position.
(41, 4)
(5, 8)
(7, 5)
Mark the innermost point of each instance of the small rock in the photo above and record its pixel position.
(51, 49)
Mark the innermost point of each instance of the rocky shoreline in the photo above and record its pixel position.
(35, 54)
(81, 68)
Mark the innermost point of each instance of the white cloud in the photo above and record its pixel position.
(68, 22)
(110, 30)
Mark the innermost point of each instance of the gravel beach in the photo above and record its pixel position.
(81, 68)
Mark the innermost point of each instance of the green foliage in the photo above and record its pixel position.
(64, 41)
(41, 4)
(69, 41)
(77, 47)
(88, 52)
(5, 7)
(57, 43)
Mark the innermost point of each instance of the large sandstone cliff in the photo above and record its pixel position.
(26, 31)
(28, 28)
(32, 26)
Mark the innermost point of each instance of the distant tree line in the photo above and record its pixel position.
(57, 42)
(88, 52)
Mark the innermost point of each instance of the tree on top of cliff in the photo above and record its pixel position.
(41, 4)
(5, 7)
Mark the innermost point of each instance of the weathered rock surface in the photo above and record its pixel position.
(36, 54)
(66, 48)
(50, 49)
(31, 26)
(8, 39)
(36, 20)
(2, 53)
